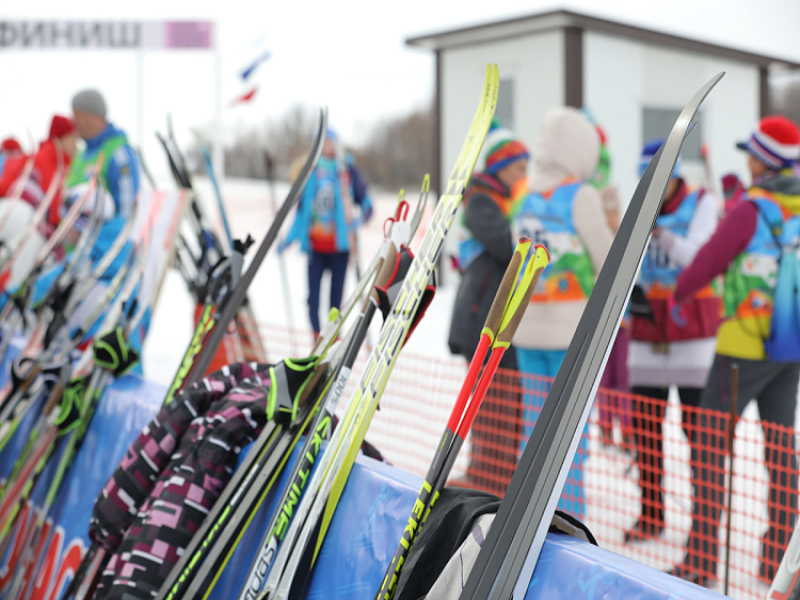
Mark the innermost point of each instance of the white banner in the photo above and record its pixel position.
(150, 35)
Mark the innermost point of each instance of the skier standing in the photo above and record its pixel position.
(483, 258)
(565, 213)
(324, 225)
(118, 175)
(744, 248)
(669, 350)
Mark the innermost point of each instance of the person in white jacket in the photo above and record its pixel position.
(564, 212)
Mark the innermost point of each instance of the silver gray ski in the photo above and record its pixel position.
(508, 557)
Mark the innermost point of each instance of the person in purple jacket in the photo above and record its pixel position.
(743, 248)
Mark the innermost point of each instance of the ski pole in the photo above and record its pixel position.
(504, 316)
(731, 434)
(287, 299)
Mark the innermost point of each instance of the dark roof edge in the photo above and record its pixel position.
(564, 18)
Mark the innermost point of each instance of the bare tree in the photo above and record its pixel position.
(398, 152)
(784, 94)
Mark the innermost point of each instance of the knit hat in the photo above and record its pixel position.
(60, 126)
(10, 145)
(649, 151)
(775, 142)
(501, 148)
(90, 101)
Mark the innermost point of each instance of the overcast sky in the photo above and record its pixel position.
(347, 54)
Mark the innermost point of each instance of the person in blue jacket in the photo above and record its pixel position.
(324, 224)
(119, 170)
(108, 153)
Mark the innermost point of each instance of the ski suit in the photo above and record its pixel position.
(324, 230)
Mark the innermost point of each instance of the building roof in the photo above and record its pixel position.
(559, 19)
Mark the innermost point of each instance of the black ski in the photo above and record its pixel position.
(508, 557)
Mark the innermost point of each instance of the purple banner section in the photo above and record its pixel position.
(189, 34)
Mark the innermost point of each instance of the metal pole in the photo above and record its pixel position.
(140, 98)
(731, 434)
(219, 152)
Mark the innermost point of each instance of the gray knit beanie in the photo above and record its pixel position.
(90, 101)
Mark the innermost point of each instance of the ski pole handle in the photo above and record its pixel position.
(519, 302)
(504, 293)
(383, 273)
(393, 240)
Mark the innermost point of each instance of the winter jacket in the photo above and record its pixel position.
(45, 165)
(119, 175)
(174, 472)
(120, 170)
(301, 227)
(567, 151)
(686, 222)
(743, 249)
(491, 229)
(661, 352)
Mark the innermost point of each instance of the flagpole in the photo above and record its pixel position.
(218, 152)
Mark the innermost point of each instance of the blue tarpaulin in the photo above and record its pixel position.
(363, 536)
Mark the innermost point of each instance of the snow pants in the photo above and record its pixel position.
(318, 263)
(546, 363)
(774, 387)
(648, 424)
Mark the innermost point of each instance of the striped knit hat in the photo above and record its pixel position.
(776, 142)
(501, 149)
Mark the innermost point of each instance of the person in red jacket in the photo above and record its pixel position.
(9, 148)
(30, 184)
(743, 248)
(63, 140)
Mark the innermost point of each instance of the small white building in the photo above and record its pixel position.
(634, 81)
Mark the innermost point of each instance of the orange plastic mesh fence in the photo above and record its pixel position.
(632, 480)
